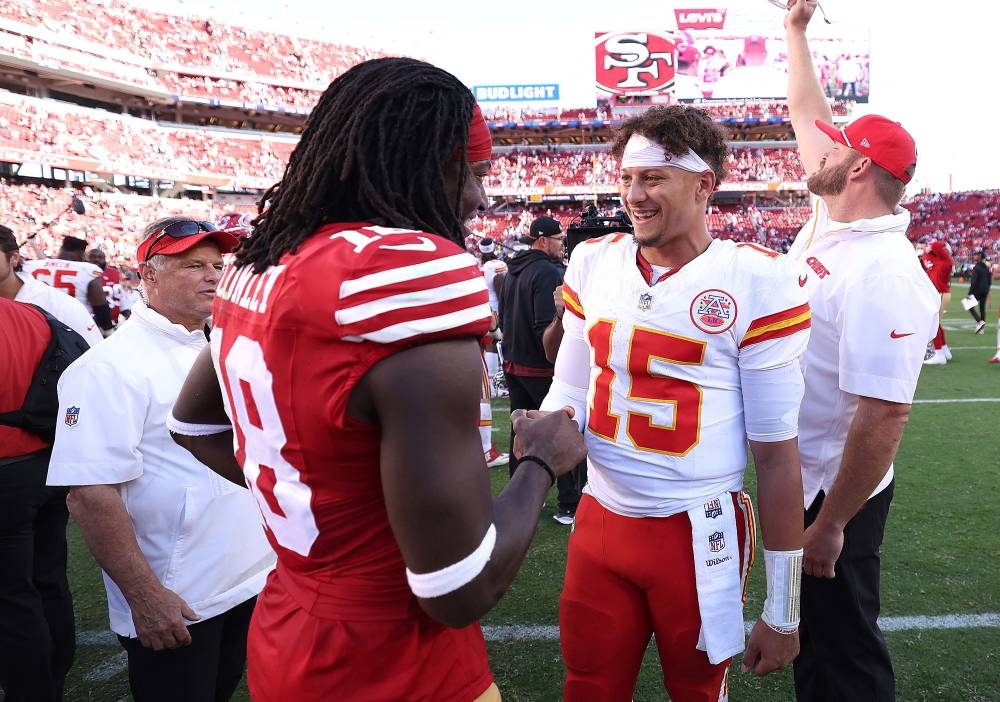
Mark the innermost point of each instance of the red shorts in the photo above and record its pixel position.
(627, 579)
(295, 655)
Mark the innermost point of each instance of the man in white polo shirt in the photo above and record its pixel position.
(182, 549)
(873, 312)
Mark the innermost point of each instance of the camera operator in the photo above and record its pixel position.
(527, 310)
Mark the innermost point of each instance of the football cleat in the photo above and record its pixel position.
(981, 327)
(494, 458)
(938, 359)
(564, 517)
(498, 384)
(996, 359)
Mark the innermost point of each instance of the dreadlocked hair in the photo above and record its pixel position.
(375, 149)
(678, 128)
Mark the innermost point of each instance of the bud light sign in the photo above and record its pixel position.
(516, 93)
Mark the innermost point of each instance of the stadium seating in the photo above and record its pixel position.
(55, 133)
(967, 221)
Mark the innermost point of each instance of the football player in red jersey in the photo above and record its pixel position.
(111, 279)
(346, 358)
(939, 264)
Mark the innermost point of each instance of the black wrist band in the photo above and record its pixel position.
(541, 464)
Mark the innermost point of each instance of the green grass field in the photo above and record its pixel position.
(941, 557)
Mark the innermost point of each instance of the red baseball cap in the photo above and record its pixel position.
(179, 236)
(883, 141)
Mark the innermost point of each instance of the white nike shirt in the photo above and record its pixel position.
(873, 312)
(66, 309)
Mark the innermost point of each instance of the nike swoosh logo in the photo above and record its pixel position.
(895, 335)
(90, 327)
(803, 279)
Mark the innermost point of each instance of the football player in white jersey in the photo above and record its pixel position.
(678, 348)
(74, 276)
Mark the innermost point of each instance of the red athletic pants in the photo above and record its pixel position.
(627, 579)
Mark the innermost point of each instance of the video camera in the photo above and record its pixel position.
(591, 225)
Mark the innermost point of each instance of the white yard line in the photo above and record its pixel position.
(524, 632)
(956, 401)
(108, 669)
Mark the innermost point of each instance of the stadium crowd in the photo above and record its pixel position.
(966, 221)
(130, 145)
(159, 41)
(534, 168)
(195, 57)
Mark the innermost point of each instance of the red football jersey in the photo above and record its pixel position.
(289, 346)
(938, 265)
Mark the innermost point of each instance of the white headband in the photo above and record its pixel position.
(642, 152)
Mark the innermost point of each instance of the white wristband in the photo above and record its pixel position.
(450, 578)
(176, 426)
(784, 580)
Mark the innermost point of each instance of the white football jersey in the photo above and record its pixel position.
(72, 277)
(490, 270)
(665, 421)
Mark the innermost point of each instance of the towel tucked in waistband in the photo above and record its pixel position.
(718, 577)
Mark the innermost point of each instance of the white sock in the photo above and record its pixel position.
(998, 336)
(486, 425)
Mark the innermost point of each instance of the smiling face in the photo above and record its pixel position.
(664, 203)
(183, 288)
(832, 175)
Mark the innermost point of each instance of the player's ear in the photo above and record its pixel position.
(706, 185)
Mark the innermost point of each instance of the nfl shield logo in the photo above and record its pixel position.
(713, 509)
(72, 416)
(645, 301)
(716, 542)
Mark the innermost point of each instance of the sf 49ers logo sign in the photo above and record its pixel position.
(635, 63)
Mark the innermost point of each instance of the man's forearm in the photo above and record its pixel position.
(106, 527)
(805, 94)
(871, 445)
(552, 338)
(779, 493)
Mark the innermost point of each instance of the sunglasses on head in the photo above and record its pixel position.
(178, 230)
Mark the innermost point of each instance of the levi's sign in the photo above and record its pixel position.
(700, 19)
(511, 93)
